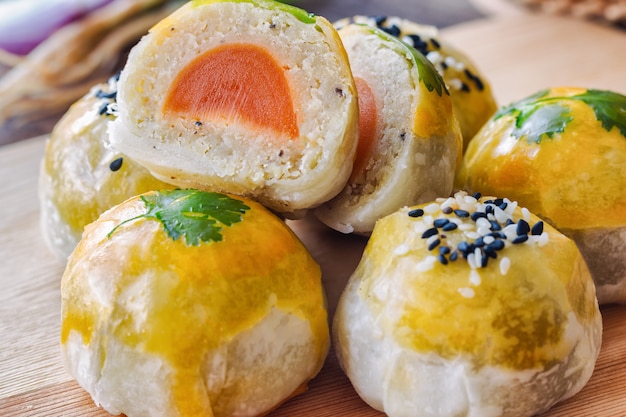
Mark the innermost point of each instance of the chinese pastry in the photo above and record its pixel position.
(468, 306)
(81, 175)
(471, 92)
(409, 139)
(186, 303)
(254, 98)
(561, 152)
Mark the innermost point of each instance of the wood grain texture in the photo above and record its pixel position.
(518, 55)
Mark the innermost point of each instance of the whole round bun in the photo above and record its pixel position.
(410, 143)
(469, 307)
(253, 98)
(561, 152)
(472, 97)
(181, 303)
(81, 175)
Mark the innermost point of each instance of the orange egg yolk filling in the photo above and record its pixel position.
(368, 126)
(238, 83)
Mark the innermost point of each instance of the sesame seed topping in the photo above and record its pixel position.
(116, 164)
(477, 229)
(416, 213)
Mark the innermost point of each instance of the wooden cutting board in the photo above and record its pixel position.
(519, 55)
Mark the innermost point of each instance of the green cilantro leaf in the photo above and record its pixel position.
(194, 214)
(538, 115)
(609, 107)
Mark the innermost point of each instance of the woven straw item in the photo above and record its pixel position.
(609, 11)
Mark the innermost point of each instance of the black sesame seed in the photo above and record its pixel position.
(198, 123)
(495, 226)
(448, 227)
(520, 239)
(393, 30)
(430, 232)
(416, 213)
(509, 222)
(480, 242)
(116, 164)
(435, 43)
(496, 245)
(503, 206)
(537, 229)
(442, 259)
(444, 250)
(490, 201)
(465, 87)
(461, 213)
(497, 235)
(439, 223)
(484, 260)
(444, 65)
(489, 209)
(498, 201)
(380, 20)
(477, 215)
(463, 247)
(447, 210)
(434, 244)
(477, 196)
(489, 252)
(103, 109)
(522, 227)
(454, 256)
(109, 95)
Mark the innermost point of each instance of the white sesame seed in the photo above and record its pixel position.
(455, 83)
(426, 264)
(450, 61)
(472, 235)
(468, 199)
(401, 249)
(510, 231)
(432, 208)
(471, 261)
(505, 264)
(482, 230)
(525, 214)
(431, 239)
(475, 278)
(501, 215)
(489, 239)
(435, 57)
(510, 207)
(543, 239)
(467, 292)
(482, 222)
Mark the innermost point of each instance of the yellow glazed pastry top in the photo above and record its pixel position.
(84, 175)
(178, 274)
(560, 152)
(477, 278)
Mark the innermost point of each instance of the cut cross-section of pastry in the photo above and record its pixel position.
(410, 140)
(254, 98)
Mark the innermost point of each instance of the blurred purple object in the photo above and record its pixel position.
(24, 24)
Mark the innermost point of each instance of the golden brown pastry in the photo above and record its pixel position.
(470, 90)
(188, 303)
(562, 153)
(81, 175)
(468, 306)
(253, 98)
(409, 138)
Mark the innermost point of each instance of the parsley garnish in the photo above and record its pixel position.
(194, 214)
(538, 115)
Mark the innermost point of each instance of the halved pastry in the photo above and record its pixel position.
(81, 175)
(470, 90)
(188, 303)
(409, 138)
(249, 97)
(468, 306)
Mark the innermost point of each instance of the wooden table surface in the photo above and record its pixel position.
(518, 53)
